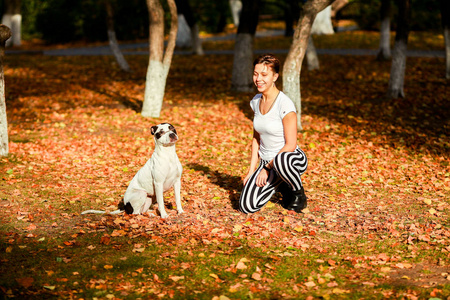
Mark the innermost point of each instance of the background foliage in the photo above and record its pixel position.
(425, 15)
(57, 21)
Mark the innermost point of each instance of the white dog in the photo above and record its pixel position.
(161, 172)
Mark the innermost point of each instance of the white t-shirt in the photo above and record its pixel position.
(270, 125)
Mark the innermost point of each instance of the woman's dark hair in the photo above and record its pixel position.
(270, 60)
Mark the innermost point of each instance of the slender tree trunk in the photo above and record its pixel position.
(293, 64)
(196, 41)
(397, 78)
(112, 38)
(190, 35)
(312, 59)
(445, 15)
(12, 18)
(235, 7)
(291, 14)
(242, 74)
(184, 32)
(5, 34)
(384, 52)
(159, 61)
(322, 23)
(337, 6)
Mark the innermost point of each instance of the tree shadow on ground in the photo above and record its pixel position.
(127, 102)
(354, 95)
(233, 184)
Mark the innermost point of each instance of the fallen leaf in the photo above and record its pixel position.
(298, 228)
(331, 262)
(256, 276)
(26, 282)
(234, 288)
(427, 201)
(176, 278)
(340, 291)
(241, 266)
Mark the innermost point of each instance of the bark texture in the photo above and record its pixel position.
(242, 74)
(384, 50)
(293, 64)
(113, 44)
(159, 60)
(5, 34)
(398, 67)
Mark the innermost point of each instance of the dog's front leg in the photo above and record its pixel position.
(159, 193)
(177, 190)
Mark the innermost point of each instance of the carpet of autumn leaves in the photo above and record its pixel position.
(377, 223)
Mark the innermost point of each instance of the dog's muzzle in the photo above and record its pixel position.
(173, 137)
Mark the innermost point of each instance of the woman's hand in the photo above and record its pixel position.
(261, 180)
(247, 178)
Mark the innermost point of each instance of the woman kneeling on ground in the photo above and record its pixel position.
(277, 163)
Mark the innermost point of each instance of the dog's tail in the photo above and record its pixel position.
(93, 211)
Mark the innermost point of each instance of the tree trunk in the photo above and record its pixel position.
(12, 18)
(337, 6)
(293, 64)
(236, 8)
(183, 33)
(291, 13)
(445, 15)
(397, 77)
(312, 59)
(5, 34)
(159, 61)
(384, 52)
(188, 33)
(242, 74)
(112, 38)
(322, 23)
(196, 42)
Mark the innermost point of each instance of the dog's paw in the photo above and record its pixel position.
(164, 216)
(180, 211)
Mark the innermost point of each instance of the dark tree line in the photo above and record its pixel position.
(58, 21)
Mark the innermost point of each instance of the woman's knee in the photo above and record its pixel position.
(279, 159)
(247, 209)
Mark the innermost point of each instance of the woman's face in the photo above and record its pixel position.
(264, 77)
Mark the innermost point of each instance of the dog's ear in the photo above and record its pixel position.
(153, 129)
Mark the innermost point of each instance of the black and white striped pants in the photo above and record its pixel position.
(287, 167)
